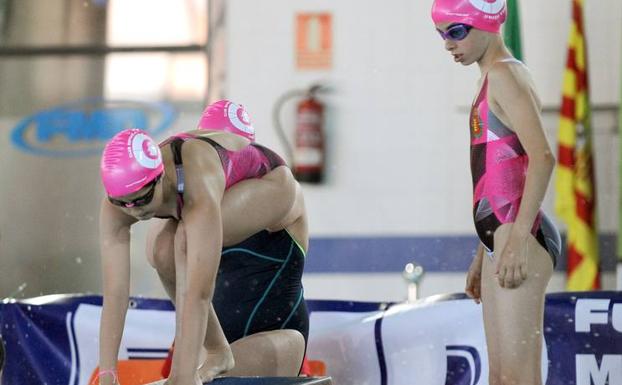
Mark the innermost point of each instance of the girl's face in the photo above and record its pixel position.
(465, 43)
(142, 204)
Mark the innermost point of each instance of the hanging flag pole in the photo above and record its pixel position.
(575, 200)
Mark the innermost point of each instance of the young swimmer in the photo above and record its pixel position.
(511, 163)
(254, 288)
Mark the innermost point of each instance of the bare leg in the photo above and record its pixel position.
(256, 204)
(275, 353)
(218, 356)
(513, 318)
(160, 253)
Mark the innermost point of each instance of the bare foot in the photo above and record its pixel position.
(217, 361)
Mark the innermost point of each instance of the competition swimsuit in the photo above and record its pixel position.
(499, 167)
(253, 161)
(258, 286)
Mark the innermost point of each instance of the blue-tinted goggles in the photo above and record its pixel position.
(455, 32)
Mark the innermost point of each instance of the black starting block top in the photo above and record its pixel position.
(271, 381)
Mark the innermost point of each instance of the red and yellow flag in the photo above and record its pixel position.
(575, 201)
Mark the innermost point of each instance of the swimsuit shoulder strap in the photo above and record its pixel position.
(176, 145)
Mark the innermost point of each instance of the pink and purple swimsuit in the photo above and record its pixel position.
(253, 161)
(499, 167)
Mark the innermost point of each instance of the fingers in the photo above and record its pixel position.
(472, 288)
(506, 277)
(518, 275)
(469, 291)
(512, 276)
(523, 271)
(477, 296)
(501, 271)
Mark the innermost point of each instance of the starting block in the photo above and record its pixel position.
(264, 381)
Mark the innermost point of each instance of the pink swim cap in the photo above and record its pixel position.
(225, 115)
(131, 160)
(487, 15)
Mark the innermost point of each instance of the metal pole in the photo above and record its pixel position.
(413, 275)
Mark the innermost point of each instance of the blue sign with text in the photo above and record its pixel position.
(82, 128)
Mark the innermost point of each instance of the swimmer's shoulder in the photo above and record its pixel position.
(510, 77)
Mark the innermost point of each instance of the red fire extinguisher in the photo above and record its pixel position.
(307, 158)
(309, 147)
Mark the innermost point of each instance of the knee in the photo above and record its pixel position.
(160, 256)
(295, 343)
(159, 247)
(284, 183)
(280, 176)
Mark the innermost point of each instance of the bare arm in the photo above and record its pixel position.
(115, 260)
(202, 227)
(511, 91)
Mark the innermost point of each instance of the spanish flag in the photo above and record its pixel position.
(575, 180)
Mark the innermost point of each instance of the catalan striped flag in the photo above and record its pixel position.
(575, 180)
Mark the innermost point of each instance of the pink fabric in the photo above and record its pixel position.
(246, 163)
(225, 115)
(487, 15)
(131, 159)
(503, 180)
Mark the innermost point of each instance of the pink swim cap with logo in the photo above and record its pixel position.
(224, 115)
(131, 159)
(487, 15)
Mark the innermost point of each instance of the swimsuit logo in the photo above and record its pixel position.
(145, 151)
(239, 118)
(463, 365)
(476, 123)
(490, 7)
(82, 128)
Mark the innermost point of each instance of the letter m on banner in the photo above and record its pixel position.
(590, 372)
(575, 186)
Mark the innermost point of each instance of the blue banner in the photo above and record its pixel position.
(439, 340)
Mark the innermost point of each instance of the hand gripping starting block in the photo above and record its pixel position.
(264, 381)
